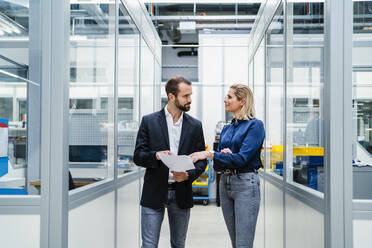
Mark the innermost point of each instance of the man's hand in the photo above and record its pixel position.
(180, 176)
(163, 152)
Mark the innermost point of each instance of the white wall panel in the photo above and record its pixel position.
(273, 216)
(128, 215)
(362, 233)
(259, 239)
(223, 61)
(20, 231)
(304, 225)
(92, 224)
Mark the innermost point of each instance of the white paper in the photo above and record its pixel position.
(3, 142)
(177, 163)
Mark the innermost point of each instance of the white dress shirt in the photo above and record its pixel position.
(174, 133)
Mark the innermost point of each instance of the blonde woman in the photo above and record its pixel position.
(238, 157)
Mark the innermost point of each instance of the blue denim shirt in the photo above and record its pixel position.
(244, 138)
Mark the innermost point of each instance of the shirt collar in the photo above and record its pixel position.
(236, 122)
(167, 114)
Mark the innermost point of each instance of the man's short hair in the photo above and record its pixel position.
(172, 86)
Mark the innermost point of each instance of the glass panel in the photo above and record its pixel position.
(215, 9)
(305, 75)
(91, 118)
(147, 79)
(274, 94)
(250, 75)
(128, 91)
(362, 100)
(19, 128)
(259, 85)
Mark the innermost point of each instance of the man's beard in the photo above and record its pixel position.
(184, 108)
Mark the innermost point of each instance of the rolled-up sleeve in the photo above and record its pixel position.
(251, 144)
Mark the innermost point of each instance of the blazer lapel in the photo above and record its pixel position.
(184, 131)
(164, 127)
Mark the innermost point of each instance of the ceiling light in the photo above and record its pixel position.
(203, 1)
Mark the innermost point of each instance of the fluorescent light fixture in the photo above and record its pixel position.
(92, 1)
(203, 1)
(8, 27)
(23, 3)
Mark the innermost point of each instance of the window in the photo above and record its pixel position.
(275, 94)
(305, 75)
(362, 101)
(6, 108)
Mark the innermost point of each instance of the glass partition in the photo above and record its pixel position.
(19, 103)
(128, 91)
(147, 79)
(274, 93)
(259, 85)
(250, 75)
(92, 68)
(362, 100)
(305, 82)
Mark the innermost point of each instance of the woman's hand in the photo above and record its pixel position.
(196, 156)
(226, 151)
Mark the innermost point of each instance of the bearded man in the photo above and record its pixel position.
(169, 131)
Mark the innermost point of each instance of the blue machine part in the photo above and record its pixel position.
(13, 191)
(312, 177)
(3, 160)
(310, 160)
(279, 168)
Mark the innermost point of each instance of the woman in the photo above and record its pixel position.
(238, 157)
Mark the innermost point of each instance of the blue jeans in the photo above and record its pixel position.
(240, 203)
(151, 220)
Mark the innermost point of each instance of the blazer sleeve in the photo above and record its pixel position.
(142, 154)
(201, 164)
(251, 144)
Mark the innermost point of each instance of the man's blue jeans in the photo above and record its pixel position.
(240, 203)
(151, 220)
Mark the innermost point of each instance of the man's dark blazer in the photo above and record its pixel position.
(153, 137)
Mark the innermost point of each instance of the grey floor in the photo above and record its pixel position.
(206, 229)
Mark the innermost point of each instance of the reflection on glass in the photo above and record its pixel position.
(16, 170)
(362, 100)
(274, 93)
(128, 91)
(305, 75)
(92, 64)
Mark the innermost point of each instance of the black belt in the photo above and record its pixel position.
(235, 171)
(171, 185)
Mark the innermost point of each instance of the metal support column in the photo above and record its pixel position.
(54, 123)
(337, 123)
(33, 97)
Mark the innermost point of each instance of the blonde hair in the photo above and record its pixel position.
(242, 91)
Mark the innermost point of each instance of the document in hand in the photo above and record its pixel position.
(177, 163)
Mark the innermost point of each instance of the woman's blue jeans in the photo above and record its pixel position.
(240, 203)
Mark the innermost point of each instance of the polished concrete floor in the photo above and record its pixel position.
(206, 229)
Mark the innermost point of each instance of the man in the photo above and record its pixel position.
(169, 131)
